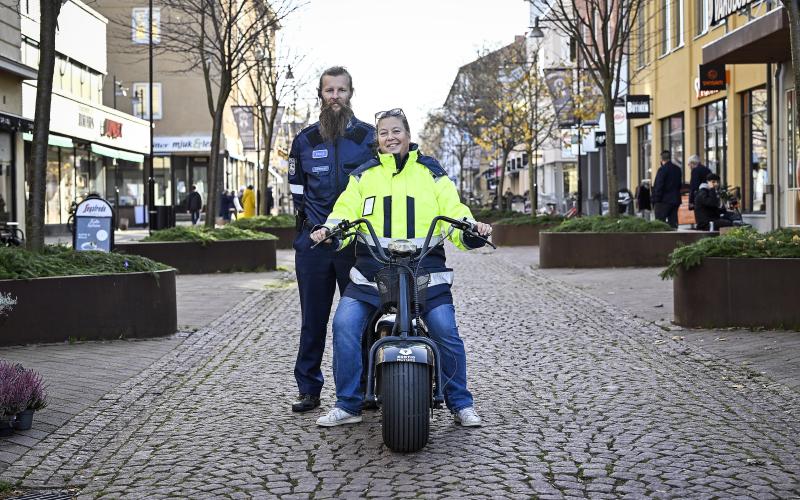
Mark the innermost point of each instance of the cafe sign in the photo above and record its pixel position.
(637, 106)
(721, 9)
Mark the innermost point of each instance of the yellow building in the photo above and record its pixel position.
(728, 129)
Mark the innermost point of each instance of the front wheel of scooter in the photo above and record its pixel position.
(406, 396)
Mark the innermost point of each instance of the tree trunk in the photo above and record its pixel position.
(214, 171)
(37, 173)
(611, 155)
(533, 188)
(501, 182)
(793, 9)
(269, 128)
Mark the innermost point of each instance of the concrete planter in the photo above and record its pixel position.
(190, 257)
(517, 235)
(612, 249)
(110, 306)
(286, 236)
(728, 292)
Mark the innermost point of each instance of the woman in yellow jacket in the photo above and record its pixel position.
(249, 202)
(399, 192)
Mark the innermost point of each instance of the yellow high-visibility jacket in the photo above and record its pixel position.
(400, 204)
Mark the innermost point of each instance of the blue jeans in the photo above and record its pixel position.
(349, 323)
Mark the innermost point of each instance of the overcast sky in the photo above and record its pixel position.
(401, 53)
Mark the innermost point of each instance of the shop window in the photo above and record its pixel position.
(754, 130)
(52, 203)
(672, 138)
(163, 180)
(6, 185)
(131, 187)
(712, 137)
(793, 172)
(66, 185)
(140, 99)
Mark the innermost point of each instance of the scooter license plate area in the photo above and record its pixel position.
(405, 353)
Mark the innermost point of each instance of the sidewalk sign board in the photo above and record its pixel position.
(94, 225)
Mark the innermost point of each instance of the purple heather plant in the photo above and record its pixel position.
(20, 389)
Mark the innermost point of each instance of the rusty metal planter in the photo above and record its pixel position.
(730, 292)
(109, 306)
(190, 257)
(517, 235)
(612, 249)
(286, 236)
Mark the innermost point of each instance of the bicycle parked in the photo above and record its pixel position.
(11, 235)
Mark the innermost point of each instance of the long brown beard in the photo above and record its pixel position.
(332, 123)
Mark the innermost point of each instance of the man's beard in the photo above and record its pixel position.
(333, 123)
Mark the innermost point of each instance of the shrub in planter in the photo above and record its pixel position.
(262, 222)
(22, 392)
(742, 242)
(522, 231)
(205, 235)
(527, 220)
(605, 224)
(492, 215)
(18, 263)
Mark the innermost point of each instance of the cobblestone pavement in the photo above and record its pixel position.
(579, 400)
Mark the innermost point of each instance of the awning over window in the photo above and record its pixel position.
(53, 140)
(116, 153)
(763, 40)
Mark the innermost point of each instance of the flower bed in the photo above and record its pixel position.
(611, 242)
(60, 294)
(282, 226)
(201, 251)
(522, 231)
(740, 279)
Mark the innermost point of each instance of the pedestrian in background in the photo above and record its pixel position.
(699, 174)
(249, 202)
(225, 206)
(667, 190)
(643, 204)
(194, 203)
(320, 162)
(270, 200)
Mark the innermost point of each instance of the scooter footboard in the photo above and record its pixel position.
(394, 349)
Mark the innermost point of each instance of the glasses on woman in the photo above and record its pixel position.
(380, 115)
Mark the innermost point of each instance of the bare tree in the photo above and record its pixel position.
(220, 37)
(601, 29)
(449, 132)
(37, 173)
(272, 81)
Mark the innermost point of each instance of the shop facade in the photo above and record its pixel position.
(727, 127)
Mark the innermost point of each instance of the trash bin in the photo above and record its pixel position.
(163, 217)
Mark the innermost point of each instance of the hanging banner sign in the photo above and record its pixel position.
(599, 139)
(558, 83)
(637, 106)
(721, 9)
(712, 76)
(245, 122)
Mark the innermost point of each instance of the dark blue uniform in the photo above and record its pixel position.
(318, 173)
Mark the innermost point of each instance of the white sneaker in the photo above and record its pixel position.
(337, 416)
(467, 417)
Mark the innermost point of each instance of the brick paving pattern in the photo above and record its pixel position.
(578, 398)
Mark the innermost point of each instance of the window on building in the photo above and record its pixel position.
(793, 184)
(712, 137)
(140, 101)
(672, 138)
(754, 171)
(641, 27)
(645, 135)
(671, 25)
(702, 12)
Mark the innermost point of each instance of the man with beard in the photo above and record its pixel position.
(321, 159)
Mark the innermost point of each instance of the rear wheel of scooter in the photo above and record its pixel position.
(406, 395)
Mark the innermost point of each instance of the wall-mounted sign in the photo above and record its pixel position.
(94, 225)
(181, 144)
(721, 9)
(712, 77)
(637, 106)
(112, 129)
(599, 139)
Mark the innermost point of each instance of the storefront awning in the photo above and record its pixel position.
(763, 40)
(53, 140)
(116, 153)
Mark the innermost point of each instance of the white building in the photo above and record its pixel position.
(92, 148)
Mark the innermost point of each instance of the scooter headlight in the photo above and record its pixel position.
(402, 247)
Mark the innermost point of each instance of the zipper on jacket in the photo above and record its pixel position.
(336, 164)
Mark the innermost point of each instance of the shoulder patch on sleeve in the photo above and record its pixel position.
(433, 165)
(372, 162)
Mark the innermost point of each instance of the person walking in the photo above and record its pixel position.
(643, 204)
(666, 195)
(194, 203)
(249, 202)
(699, 174)
(321, 158)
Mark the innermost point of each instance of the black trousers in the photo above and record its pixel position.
(668, 213)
